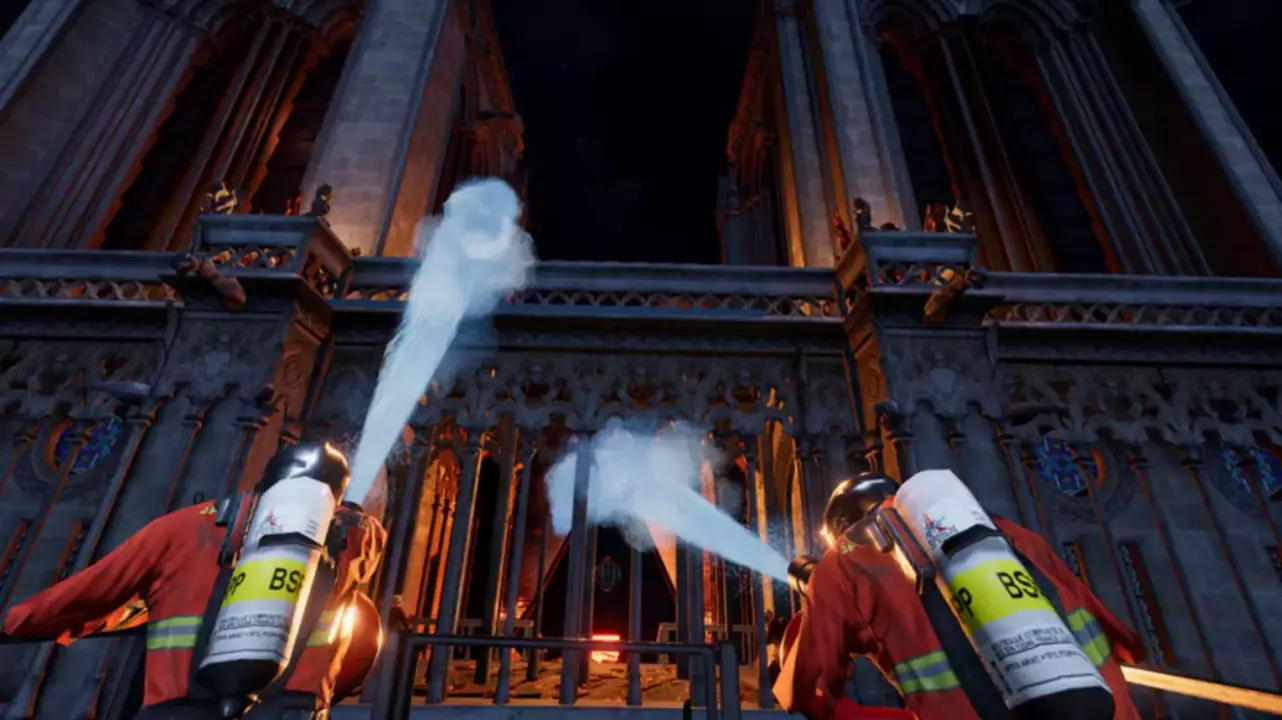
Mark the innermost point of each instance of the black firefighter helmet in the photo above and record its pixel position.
(318, 460)
(851, 501)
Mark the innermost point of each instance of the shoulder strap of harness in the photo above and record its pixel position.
(194, 689)
(322, 590)
(965, 663)
(318, 599)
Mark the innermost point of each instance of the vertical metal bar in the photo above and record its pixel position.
(427, 586)
(765, 701)
(532, 668)
(697, 631)
(729, 682)
(683, 607)
(498, 552)
(576, 559)
(634, 625)
(442, 549)
(456, 561)
(708, 676)
(589, 599)
(406, 512)
(503, 692)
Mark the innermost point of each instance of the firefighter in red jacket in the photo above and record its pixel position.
(172, 566)
(861, 602)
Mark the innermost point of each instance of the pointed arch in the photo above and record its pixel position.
(922, 16)
(1039, 20)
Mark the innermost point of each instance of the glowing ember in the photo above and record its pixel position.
(602, 656)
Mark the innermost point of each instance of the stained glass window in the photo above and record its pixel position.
(1056, 463)
(1266, 464)
(102, 438)
(1073, 559)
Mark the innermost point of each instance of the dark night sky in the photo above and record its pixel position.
(626, 106)
(1239, 38)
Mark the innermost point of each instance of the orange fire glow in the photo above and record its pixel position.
(602, 656)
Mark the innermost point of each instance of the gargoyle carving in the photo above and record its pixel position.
(230, 293)
(940, 300)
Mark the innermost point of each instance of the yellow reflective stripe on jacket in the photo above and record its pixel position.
(926, 673)
(1089, 636)
(179, 632)
(320, 636)
(175, 633)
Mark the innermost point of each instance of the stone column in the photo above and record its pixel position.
(802, 181)
(385, 136)
(1244, 164)
(872, 162)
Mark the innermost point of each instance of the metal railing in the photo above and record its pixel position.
(394, 695)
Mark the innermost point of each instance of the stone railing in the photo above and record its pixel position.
(261, 252)
(1235, 305)
(66, 277)
(628, 290)
(902, 270)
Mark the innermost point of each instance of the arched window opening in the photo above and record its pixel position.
(279, 192)
(1034, 145)
(10, 11)
(915, 119)
(156, 189)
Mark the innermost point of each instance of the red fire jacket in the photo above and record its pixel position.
(862, 604)
(172, 566)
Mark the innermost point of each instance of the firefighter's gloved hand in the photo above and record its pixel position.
(799, 571)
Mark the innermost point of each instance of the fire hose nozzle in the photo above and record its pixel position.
(799, 571)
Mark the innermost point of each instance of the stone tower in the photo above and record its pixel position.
(1032, 241)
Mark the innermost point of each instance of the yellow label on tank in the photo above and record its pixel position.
(994, 590)
(267, 579)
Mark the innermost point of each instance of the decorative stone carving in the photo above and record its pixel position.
(321, 203)
(948, 375)
(220, 200)
(586, 391)
(37, 376)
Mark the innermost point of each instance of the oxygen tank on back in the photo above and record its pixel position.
(1032, 657)
(261, 613)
